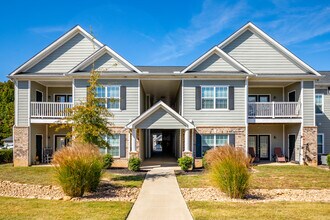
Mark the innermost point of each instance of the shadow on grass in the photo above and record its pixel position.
(129, 178)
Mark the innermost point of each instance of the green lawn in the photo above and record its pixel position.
(271, 210)
(48, 209)
(46, 176)
(270, 177)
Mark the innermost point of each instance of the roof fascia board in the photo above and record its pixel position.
(250, 26)
(53, 46)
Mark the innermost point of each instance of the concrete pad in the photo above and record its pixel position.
(160, 197)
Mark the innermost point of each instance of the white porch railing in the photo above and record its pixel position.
(49, 109)
(274, 109)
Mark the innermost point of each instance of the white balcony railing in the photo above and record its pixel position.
(49, 109)
(274, 109)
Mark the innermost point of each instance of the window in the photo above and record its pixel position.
(114, 142)
(320, 143)
(214, 97)
(319, 103)
(63, 98)
(259, 98)
(110, 95)
(210, 141)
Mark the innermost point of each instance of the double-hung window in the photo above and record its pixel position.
(114, 142)
(214, 97)
(320, 143)
(110, 95)
(210, 141)
(318, 103)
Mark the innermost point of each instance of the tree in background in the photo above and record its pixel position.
(89, 120)
(7, 113)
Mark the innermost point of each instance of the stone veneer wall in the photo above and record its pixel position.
(310, 145)
(238, 131)
(21, 146)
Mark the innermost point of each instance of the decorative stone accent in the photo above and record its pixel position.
(21, 146)
(310, 146)
(133, 154)
(120, 163)
(188, 154)
(238, 131)
(198, 163)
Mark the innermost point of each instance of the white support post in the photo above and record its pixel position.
(133, 140)
(187, 140)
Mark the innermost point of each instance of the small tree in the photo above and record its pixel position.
(88, 120)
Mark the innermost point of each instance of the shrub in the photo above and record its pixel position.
(78, 168)
(228, 170)
(185, 163)
(328, 160)
(134, 164)
(107, 161)
(6, 156)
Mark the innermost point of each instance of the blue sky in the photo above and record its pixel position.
(171, 32)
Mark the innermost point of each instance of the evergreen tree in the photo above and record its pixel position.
(7, 113)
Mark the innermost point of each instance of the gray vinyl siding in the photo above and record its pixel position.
(65, 57)
(22, 103)
(107, 63)
(36, 86)
(58, 91)
(309, 103)
(214, 63)
(323, 121)
(121, 117)
(276, 94)
(295, 86)
(260, 56)
(160, 119)
(293, 129)
(216, 117)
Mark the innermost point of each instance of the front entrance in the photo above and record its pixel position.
(261, 145)
(163, 142)
(292, 143)
(39, 148)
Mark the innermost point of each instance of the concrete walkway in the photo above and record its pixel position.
(160, 197)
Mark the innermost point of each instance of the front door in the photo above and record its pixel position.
(292, 96)
(39, 96)
(292, 143)
(39, 148)
(252, 142)
(264, 145)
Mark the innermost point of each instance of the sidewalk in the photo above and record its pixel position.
(160, 197)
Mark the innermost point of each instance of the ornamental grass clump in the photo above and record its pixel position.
(228, 169)
(78, 168)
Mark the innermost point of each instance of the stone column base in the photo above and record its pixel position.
(21, 147)
(133, 154)
(309, 146)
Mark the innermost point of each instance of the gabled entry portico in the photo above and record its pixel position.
(160, 117)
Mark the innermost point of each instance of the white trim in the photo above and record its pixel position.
(275, 120)
(314, 107)
(283, 138)
(16, 101)
(246, 114)
(73, 91)
(154, 108)
(302, 123)
(29, 103)
(214, 97)
(223, 55)
(106, 96)
(53, 46)
(97, 54)
(250, 26)
(139, 98)
(182, 97)
(322, 134)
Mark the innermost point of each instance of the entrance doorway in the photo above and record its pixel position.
(261, 145)
(292, 143)
(39, 147)
(163, 143)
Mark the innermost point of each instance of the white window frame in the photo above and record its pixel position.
(322, 98)
(106, 96)
(214, 140)
(214, 98)
(322, 134)
(106, 149)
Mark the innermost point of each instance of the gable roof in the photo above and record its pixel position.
(325, 80)
(153, 109)
(216, 50)
(97, 54)
(53, 46)
(250, 26)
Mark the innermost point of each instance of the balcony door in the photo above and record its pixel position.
(259, 98)
(39, 96)
(261, 145)
(292, 96)
(63, 98)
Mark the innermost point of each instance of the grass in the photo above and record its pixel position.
(270, 177)
(48, 209)
(46, 176)
(271, 210)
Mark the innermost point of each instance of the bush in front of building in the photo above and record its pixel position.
(328, 160)
(228, 169)
(78, 168)
(6, 156)
(185, 163)
(107, 161)
(134, 164)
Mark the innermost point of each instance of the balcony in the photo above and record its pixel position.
(274, 112)
(49, 110)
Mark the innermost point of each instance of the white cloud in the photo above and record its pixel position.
(48, 29)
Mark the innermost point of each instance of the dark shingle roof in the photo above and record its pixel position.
(325, 79)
